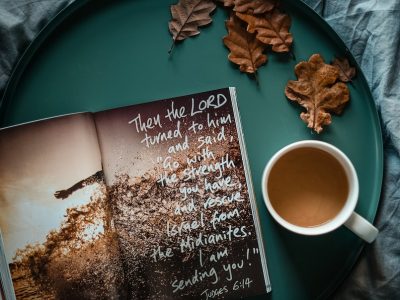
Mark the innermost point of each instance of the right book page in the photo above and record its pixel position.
(181, 198)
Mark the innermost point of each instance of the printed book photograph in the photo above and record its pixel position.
(149, 201)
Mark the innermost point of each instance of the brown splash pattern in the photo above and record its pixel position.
(115, 264)
(73, 262)
(141, 208)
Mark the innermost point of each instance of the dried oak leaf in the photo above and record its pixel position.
(188, 16)
(318, 91)
(246, 50)
(272, 29)
(346, 72)
(254, 6)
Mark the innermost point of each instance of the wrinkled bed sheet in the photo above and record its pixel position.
(371, 30)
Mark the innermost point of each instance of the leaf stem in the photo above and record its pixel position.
(256, 78)
(291, 52)
(171, 48)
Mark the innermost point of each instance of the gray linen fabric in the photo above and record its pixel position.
(20, 22)
(371, 30)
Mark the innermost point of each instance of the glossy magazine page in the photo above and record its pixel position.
(150, 201)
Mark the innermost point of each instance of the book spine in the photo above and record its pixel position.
(250, 188)
(6, 285)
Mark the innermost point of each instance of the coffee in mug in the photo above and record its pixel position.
(311, 187)
(307, 187)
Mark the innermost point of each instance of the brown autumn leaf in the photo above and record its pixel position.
(246, 50)
(187, 17)
(317, 89)
(272, 29)
(254, 6)
(346, 72)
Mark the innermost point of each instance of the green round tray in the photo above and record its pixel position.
(96, 55)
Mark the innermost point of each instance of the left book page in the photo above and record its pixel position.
(53, 211)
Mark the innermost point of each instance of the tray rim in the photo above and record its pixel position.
(337, 282)
(66, 12)
(34, 45)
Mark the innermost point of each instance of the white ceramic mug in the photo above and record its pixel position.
(346, 216)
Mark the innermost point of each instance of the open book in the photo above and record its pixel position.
(149, 201)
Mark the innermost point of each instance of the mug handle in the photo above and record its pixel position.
(361, 227)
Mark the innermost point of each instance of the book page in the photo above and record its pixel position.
(53, 211)
(180, 199)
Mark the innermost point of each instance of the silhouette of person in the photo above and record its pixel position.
(96, 177)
